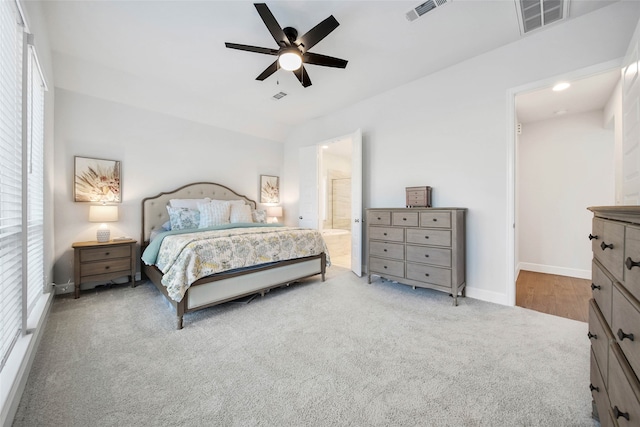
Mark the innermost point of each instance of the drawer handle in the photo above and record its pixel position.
(384, 234)
(426, 237)
(385, 250)
(622, 335)
(379, 219)
(107, 267)
(426, 255)
(591, 237)
(385, 266)
(404, 219)
(435, 219)
(594, 287)
(618, 413)
(590, 335)
(107, 253)
(426, 274)
(631, 263)
(604, 246)
(594, 388)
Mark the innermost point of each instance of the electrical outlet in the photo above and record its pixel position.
(64, 288)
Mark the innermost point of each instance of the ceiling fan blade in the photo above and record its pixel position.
(269, 70)
(302, 75)
(272, 25)
(317, 33)
(327, 61)
(255, 49)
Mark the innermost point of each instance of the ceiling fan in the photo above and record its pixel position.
(293, 51)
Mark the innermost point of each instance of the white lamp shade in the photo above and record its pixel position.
(274, 211)
(103, 213)
(290, 60)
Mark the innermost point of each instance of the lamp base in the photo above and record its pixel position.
(104, 235)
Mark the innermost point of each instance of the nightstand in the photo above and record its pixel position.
(94, 262)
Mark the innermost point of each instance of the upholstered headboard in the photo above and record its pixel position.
(154, 209)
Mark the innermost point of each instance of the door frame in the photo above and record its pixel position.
(511, 158)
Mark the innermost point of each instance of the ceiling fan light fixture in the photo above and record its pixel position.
(290, 59)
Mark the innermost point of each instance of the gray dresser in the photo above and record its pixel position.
(614, 315)
(420, 247)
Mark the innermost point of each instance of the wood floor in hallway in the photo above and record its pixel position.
(558, 295)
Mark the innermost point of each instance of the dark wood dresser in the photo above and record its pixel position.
(614, 315)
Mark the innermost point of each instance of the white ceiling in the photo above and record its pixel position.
(169, 56)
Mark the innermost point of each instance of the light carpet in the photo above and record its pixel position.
(338, 353)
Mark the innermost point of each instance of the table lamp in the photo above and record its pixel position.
(103, 214)
(275, 212)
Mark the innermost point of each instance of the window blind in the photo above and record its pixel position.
(34, 172)
(11, 54)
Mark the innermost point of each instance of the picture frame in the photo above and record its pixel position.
(269, 189)
(96, 180)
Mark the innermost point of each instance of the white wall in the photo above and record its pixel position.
(449, 130)
(565, 165)
(158, 153)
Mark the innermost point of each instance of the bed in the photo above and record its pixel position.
(230, 284)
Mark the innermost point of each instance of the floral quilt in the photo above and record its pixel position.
(185, 258)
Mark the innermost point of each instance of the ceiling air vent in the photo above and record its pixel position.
(425, 7)
(279, 95)
(534, 14)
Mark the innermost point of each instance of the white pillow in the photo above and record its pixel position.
(240, 213)
(187, 203)
(215, 212)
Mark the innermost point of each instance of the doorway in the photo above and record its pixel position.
(563, 162)
(335, 200)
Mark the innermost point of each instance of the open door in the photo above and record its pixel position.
(356, 202)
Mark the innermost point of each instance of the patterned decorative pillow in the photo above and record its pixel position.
(259, 215)
(240, 213)
(214, 213)
(183, 218)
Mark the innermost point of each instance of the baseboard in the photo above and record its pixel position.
(488, 296)
(15, 373)
(550, 269)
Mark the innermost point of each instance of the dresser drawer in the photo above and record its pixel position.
(105, 267)
(599, 392)
(625, 325)
(429, 255)
(429, 237)
(602, 288)
(404, 219)
(609, 248)
(108, 252)
(387, 233)
(387, 250)
(632, 256)
(429, 274)
(386, 266)
(624, 390)
(417, 199)
(435, 219)
(379, 217)
(600, 337)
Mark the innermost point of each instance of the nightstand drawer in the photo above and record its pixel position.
(100, 254)
(105, 267)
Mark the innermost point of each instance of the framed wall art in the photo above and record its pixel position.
(96, 180)
(269, 189)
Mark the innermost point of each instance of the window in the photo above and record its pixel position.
(21, 177)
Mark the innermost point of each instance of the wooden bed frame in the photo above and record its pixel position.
(225, 286)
